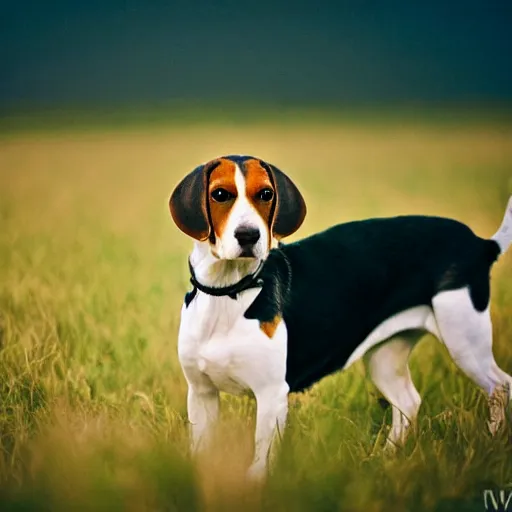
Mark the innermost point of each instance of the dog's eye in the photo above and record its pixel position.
(265, 195)
(221, 195)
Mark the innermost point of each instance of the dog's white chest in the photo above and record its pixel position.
(218, 361)
(217, 342)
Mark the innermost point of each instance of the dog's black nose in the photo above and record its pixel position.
(247, 236)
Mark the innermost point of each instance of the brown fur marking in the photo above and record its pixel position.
(269, 328)
(223, 176)
(256, 179)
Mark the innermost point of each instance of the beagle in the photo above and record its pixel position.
(274, 318)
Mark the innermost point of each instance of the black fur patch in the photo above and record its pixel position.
(189, 297)
(276, 276)
(333, 288)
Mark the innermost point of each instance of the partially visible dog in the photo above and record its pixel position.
(276, 318)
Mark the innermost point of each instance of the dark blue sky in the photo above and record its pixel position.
(135, 51)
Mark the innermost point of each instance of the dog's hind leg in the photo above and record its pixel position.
(467, 334)
(389, 370)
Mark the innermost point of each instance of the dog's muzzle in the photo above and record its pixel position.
(247, 238)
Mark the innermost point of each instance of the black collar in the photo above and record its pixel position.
(247, 282)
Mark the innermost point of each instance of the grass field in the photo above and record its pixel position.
(92, 275)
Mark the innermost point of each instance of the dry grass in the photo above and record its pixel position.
(92, 274)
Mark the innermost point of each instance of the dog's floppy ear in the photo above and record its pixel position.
(290, 208)
(188, 202)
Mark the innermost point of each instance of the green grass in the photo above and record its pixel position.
(92, 275)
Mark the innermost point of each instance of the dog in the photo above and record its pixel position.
(275, 318)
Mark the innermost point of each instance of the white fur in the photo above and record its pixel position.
(467, 334)
(420, 317)
(504, 234)
(220, 350)
(242, 213)
(389, 370)
(386, 352)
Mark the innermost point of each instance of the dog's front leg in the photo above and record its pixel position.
(202, 402)
(272, 408)
(203, 410)
(202, 396)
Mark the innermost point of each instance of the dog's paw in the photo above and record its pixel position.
(257, 473)
(498, 402)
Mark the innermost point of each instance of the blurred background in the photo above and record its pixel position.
(372, 108)
(135, 53)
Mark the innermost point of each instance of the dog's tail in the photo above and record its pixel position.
(503, 237)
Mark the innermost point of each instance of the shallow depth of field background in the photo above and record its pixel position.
(372, 110)
(92, 401)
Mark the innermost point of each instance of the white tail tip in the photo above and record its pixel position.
(503, 237)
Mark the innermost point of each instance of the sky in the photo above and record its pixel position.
(141, 52)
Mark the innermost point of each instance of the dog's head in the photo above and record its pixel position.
(240, 205)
